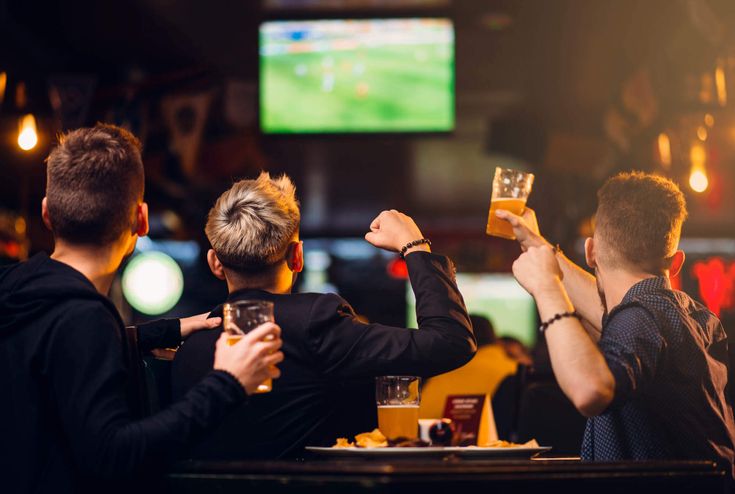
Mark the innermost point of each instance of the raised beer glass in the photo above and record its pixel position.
(511, 189)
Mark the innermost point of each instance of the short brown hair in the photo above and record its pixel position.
(251, 225)
(639, 218)
(94, 181)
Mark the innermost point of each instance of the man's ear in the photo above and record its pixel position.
(215, 266)
(295, 257)
(141, 220)
(676, 263)
(45, 215)
(589, 252)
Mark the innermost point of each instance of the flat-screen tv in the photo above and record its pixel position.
(354, 76)
(499, 297)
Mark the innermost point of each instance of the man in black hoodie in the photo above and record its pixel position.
(65, 422)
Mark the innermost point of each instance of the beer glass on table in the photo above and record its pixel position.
(511, 189)
(398, 402)
(242, 317)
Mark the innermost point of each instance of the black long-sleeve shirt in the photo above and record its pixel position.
(327, 388)
(65, 424)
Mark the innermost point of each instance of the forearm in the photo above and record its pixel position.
(578, 364)
(161, 333)
(122, 448)
(582, 290)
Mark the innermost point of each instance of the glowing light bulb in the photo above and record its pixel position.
(709, 120)
(3, 85)
(720, 85)
(27, 135)
(698, 181)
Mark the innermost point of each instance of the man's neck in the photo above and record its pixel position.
(97, 264)
(618, 283)
(282, 284)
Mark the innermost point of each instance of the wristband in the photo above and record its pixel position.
(414, 244)
(545, 325)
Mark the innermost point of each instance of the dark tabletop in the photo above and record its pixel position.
(448, 475)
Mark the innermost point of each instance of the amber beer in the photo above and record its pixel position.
(396, 421)
(264, 387)
(241, 317)
(501, 228)
(511, 189)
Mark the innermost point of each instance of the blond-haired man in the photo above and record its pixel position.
(651, 375)
(326, 389)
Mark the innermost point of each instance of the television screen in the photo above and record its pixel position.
(498, 297)
(348, 76)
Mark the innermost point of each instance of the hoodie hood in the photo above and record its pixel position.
(31, 288)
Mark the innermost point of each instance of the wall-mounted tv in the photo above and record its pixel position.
(354, 76)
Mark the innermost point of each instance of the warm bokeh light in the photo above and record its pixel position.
(27, 134)
(709, 120)
(698, 181)
(702, 133)
(152, 283)
(664, 149)
(720, 85)
(3, 85)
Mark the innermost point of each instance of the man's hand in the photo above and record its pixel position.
(537, 270)
(392, 230)
(196, 323)
(253, 359)
(525, 227)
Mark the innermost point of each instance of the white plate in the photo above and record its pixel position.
(478, 452)
(464, 452)
(378, 452)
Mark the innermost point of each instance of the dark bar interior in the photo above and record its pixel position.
(367, 246)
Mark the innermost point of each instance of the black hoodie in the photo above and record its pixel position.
(65, 422)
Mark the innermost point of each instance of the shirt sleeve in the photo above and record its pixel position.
(345, 347)
(85, 369)
(161, 333)
(632, 345)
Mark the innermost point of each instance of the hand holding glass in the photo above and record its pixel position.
(242, 317)
(511, 189)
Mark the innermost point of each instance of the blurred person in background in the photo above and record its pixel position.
(649, 366)
(481, 375)
(66, 421)
(327, 388)
(516, 350)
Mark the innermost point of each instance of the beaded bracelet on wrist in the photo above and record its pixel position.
(414, 243)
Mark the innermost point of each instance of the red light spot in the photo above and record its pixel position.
(397, 269)
(716, 283)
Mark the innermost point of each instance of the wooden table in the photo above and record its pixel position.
(453, 476)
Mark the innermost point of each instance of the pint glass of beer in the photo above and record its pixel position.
(242, 317)
(511, 189)
(398, 406)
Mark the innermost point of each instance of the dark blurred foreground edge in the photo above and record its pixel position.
(423, 477)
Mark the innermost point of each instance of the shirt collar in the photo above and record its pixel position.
(648, 285)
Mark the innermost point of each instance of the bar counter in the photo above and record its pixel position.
(449, 475)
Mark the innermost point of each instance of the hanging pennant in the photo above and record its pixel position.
(185, 116)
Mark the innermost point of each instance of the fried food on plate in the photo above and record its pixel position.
(507, 444)
(374, 439)
(342, 442)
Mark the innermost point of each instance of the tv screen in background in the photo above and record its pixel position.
(352, 76)
(498, 297)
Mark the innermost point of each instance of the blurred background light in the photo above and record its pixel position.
(27, 134)
(152, 283)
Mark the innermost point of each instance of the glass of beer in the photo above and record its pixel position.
(511, 189)
(242, 317)
(398, 406)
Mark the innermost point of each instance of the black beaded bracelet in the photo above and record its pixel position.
(545, 325)
(414, 244)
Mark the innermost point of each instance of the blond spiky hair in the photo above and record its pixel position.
(251, 224)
